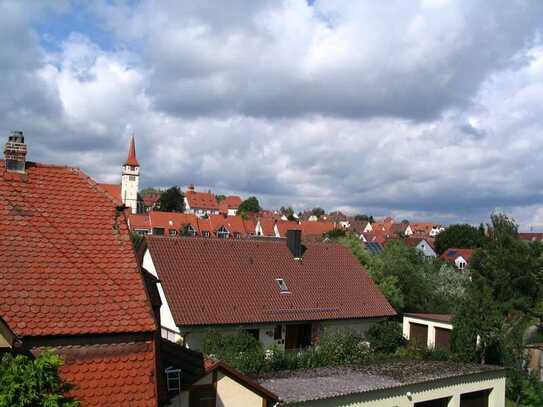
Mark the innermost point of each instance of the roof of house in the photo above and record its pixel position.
(221, 281)
(113, 190)
(531, 236)
(296, 386)
(452, 254)
(267, 225)
(447, 318)
(201, 200)
(283, 226)
(414, 241)
(131, 159)
(68, 266)
(230, 202)
(150, 199)
(110, 374)
(316, 229)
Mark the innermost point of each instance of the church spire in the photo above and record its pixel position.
(132, 160)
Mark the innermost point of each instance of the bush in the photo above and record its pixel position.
(386, 337)
(32, 382)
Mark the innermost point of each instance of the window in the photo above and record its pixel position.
(278, 332)
(255, 333)
(461, 264)
(237, 235)
(131, 177)
(173, 379)
(222, 233)
(191, 231)
(142, 232)
(282, 285)
(172, 232)
(206, 233)
(158, 231)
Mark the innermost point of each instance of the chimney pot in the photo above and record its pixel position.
(15, 152)
(294, 242)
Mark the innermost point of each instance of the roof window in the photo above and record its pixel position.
(282, 285)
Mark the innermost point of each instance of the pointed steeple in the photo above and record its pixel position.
(132, 160)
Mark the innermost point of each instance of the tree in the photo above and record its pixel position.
(171, 200)
(33, 382)
(288, 212)
(250, 205)
(364, 218)
(318, 212)
(220, 198)
(460, 237)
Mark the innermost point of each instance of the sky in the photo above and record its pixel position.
(420, 109)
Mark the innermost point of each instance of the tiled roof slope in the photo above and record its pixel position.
(220, 281)
(68, 266)
(201, 200)
(111, 374)
(452, 254)
(114, 191)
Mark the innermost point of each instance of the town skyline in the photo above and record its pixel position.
(281, 100)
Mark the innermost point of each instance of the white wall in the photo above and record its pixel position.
(166, 316)
(432, 325)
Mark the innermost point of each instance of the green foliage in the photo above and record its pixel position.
(250, 205)
(171, 200)
(524, 390)
(136, 240)
(362, 218)
(243, 352)
(460, 237)
(335, 233)
(220, 198)
(386, 336)
(318, 212)
(288, 212)
(32, 382)
(150, 191)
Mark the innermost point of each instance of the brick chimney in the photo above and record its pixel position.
(15, 152)
(294, 243)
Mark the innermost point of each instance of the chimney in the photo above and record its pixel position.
(191, 187)
(15, 152)
(294, 243)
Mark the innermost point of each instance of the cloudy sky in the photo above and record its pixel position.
(426, 109)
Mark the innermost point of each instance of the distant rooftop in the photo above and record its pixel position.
(297, 386)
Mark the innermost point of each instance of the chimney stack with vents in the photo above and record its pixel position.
(15, 152)
(294, 243)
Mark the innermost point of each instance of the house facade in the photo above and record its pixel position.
(71, 282)
(284, 293)
(200, 204)
(428, 330)
(423, 245)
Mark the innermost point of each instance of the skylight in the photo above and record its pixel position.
(282, 285)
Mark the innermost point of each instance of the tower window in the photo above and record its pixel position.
(132, 177)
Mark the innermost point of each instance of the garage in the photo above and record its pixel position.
(443, 339)
(444, 402)
(418, 334)
(475, 399)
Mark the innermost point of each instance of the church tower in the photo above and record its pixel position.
(131, 179)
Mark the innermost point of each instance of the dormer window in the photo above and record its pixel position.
(222, 233)
(205, 233)
(237, 235)
(282, 285)
(191, 231)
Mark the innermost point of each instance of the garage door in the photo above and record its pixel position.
(475, 399)
(443, 339)
(434, 403)
(418, 334)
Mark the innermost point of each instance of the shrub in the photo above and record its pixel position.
(386, 337)
(32, 382)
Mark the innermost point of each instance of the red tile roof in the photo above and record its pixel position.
(114, 192)
(132, 160)
(452, 254)
(530, 236)
(285, 225)
(220, 281)
(172, 220)
(150, 200)
(230, 202)
(201, 200)
(268, 226)
(119, 374)
(414, 241)
(315, 229)
(68, 266)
